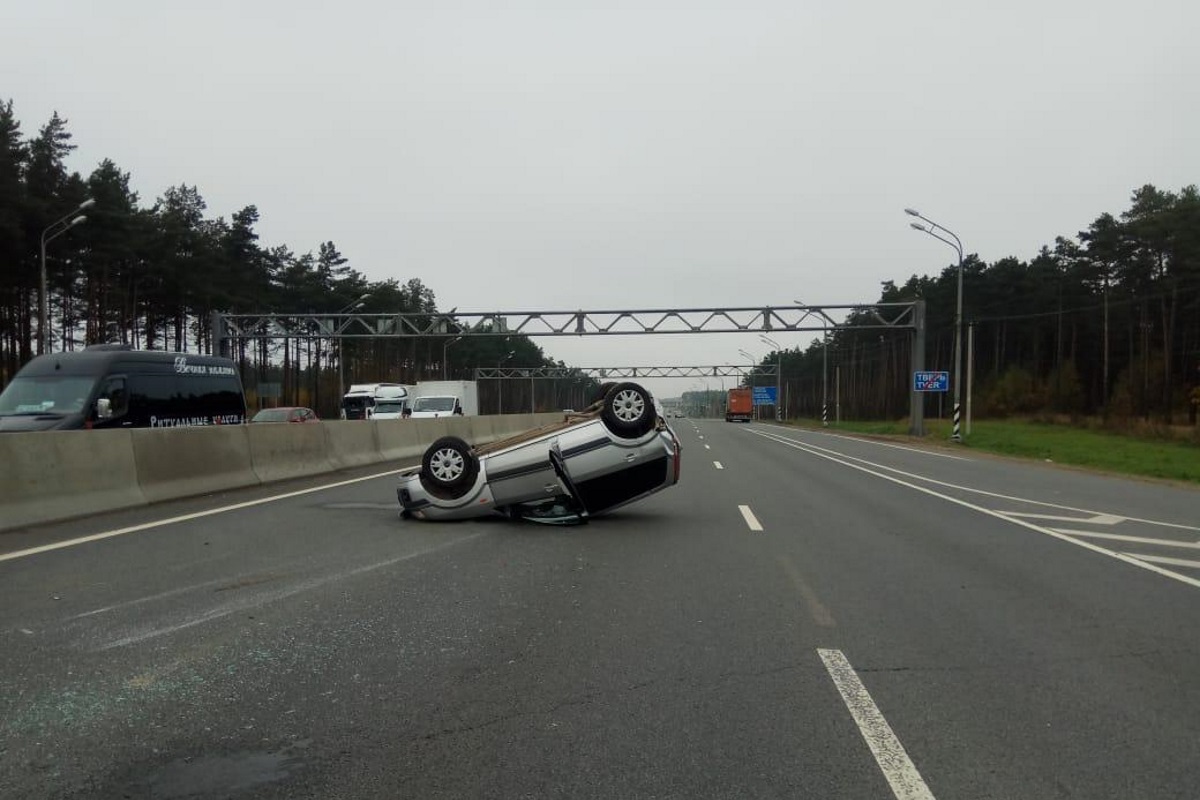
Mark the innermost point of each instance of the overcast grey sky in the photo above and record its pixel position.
(563, 155)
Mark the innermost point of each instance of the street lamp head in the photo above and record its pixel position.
(91, 201)
(912, 212)
(918, 227)
(80, 219)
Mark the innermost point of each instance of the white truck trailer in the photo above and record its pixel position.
(443, 398)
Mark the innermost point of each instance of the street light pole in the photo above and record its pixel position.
(957, 245)
(824, 362)
(778, 373)
(500, 385)
(445, 356)
(59, 227)
(357, 304)
(753, 361)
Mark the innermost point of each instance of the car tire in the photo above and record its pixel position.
(629, 411)
(449, 467)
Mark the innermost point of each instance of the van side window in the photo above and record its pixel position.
(117, 394)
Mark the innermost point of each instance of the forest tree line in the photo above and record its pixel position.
(151, 276)
(1106, 321)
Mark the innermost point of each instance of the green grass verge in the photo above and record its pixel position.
(1062, 444)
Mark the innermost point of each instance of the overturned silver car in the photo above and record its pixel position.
(616, 451)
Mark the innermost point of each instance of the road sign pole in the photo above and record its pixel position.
(916, 400)
(970, 370)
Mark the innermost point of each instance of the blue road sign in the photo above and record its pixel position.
(764, 395)
(931, 381)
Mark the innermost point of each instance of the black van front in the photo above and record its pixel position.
(105, 387)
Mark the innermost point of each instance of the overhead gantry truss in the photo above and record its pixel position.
(230, 328)
(613, 322)
(622, 373)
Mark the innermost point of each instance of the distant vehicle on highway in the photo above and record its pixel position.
(115, 386)
(616, 451)
(286, 414)
(739, 405)
(431, 399)
(362, 399)
(390, 408)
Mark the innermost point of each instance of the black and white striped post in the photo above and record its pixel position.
(825, 378)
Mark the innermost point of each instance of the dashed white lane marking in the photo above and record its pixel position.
(751, 520)
(145, 526)
(707, 447)
(901, 774)
(717, 464)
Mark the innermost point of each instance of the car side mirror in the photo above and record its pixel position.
(104, 408)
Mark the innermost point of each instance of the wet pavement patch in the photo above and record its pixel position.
(208, 776)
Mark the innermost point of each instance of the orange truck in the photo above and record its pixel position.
(739, 406)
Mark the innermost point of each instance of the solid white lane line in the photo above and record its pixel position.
(1091, 513)
(751, 520)
(846, 461)
(717, 464)
(920, 450)
(1139, 539)
(890, 755)
(145, 526)
(1175, 562)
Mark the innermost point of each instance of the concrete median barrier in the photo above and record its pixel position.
(284, 451)
(399, 440)
(54, 475)
(183, 462)
(351, 443)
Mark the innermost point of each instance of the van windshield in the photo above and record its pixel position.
(50, 394)
(389, 407)
(433, 404)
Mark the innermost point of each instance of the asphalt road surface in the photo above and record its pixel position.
(804, 616)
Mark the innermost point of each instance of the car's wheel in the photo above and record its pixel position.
(449, 467)
(629, 411)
